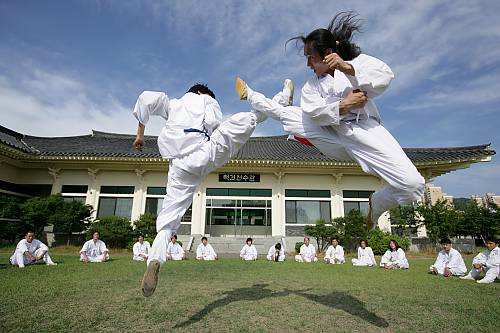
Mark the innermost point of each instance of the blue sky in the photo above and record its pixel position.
(67, 67)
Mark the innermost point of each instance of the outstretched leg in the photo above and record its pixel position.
(185, 175)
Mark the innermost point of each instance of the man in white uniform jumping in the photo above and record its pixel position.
(196, 142)
(338, 116)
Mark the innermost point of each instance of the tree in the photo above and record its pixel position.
(349, 230)
(71, 216)
(405, 217)
(11, 227)
(146, 225)
(479, 221)
(354, 228)
(115, 231)
(322, 233)
(36, 212)
(440, 220)
(379, 241)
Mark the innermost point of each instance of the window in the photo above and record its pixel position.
(117, 190)
(357, 194)
(307, 206)
(110, 206)
(74, 193)
(308, 193)
(357, 200)
(238, 212)
(154, 203)
(116, 201)
(307, 212)
(239, 192)
(238, 206)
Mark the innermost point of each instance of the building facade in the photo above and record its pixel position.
(273, 187)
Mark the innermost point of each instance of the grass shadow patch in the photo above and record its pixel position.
(336, 300)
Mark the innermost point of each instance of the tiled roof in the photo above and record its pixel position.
(274, 148)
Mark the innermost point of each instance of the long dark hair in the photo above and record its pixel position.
(337, 36)
(395, 243)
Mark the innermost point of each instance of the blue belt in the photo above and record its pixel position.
(195, 130)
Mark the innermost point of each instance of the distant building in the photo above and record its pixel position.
(272, 187)
(433, 194)
(487, 199)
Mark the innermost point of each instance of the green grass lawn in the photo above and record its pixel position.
(230, 295)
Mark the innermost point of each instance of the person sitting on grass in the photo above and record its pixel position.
(449, 261)
(248, 252)
(487, 262)
(30, 251)
(307, 252)
(394, 257)
(365, 255)
(141, 249)
(276, 253)
(94, 250)
(205, 251)
(174, 249)
(334, 253)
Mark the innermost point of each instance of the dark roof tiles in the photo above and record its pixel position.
(101, 144)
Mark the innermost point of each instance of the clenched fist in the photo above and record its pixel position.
(139, 143)
(334, 61)
(355, 100)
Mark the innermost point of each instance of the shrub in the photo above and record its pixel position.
(71, 216)
(297, 246)
(379, 241)
(37, 212)
(322, 233)
(146, 225)
(115, 231)
(130, 244)
(353, 226)
(11, 227)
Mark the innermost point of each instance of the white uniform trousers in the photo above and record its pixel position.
(21, 260)
(186, 173)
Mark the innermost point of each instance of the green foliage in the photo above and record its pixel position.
(10, 207)
(130, 244)
(443, 220)
(71, 216)
(11, 228)
(479, 222)
(297, 246)
(461, 203)
(37, 212)
(354, 228)
(440, 220)
(115, 231)
(379, 241)
(146, 225)
(322, 233)
(349, 229)
(404, 217)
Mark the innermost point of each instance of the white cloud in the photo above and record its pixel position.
(45, 103)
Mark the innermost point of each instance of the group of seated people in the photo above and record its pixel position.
(449, 261)
(249, 252)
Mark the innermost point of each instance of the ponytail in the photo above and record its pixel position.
(337, 36)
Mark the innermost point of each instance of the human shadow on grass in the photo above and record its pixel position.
(343, 301)
(254, 293)
(336, 300)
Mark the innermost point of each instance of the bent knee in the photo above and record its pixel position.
(414, 187)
